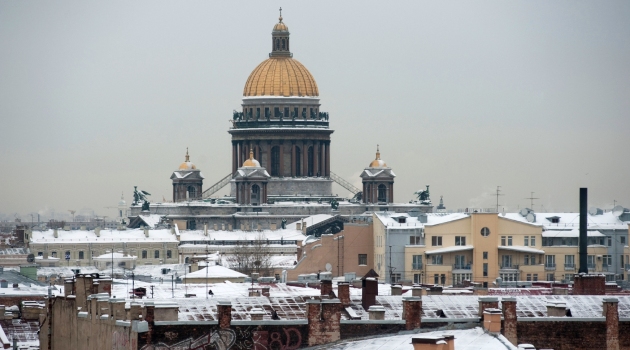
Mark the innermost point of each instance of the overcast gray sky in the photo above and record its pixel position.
(96, 97)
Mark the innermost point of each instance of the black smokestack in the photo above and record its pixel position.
(583, 239)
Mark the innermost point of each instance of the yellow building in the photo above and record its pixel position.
(447, 249)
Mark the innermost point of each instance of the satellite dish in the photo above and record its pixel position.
(30, 258)
(328, 267)
(524, 212)
(531, 217)
(592, 211)
(617, 210)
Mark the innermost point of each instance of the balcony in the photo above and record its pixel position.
(607, 268)
(508, 267)
(569, 267)
(461, 267)
(550, 267)
(416, 266)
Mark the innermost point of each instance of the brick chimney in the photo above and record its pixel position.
(412, 312)
(343, 291)
(492, 320)
(584, 284)
(611, 311)
(369, 292)
(224, 313)
(487, 302)
(324, 319)
(325, 287)
(508, 305)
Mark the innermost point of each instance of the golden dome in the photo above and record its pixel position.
(251, 162)
(280, 27)
(280, 76)
(187, 165)
(378, 163)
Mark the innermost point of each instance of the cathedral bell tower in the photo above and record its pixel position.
(378, 181)
(187, 181)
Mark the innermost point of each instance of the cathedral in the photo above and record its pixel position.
(281, 149)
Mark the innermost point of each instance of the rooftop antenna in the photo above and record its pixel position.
(531, 199)
(498, 194)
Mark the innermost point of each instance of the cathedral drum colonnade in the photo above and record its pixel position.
(282, 126)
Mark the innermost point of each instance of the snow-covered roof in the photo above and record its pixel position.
(310, 221)
(571, 233)
(215, 271)
(455, 248)
(572, 220)
(524, 249)
(390, 219)
(151, 220)
(65, 271)
(290, 234)
(115, 255)
(465, 339)
(106, 235)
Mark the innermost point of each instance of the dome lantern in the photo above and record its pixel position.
(251, 162)
(378, 162)
(187, 165)
(280, 39)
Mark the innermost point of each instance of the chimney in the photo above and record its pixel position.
(556, 309)
(343, 292)
(256, 314)
(325, 287)
(611, 312)
(509, 319)
(412, 312)
(298, 226)
(583, 236)
(224, 313)
(369, 292)
(492, 320)
(486, 303)
(377, 312)
(146, 231)
(55, 233)
(304, 227)
(205, 229)
(97, 231)
(396, 289)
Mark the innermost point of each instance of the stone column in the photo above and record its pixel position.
(412, 312)
(224, 314)
(315, 158)
(281, 172)
(611, 311)
(234, 157)
(304, 159)
(391, 193)
(327, 158)
(293, 167)
(508, 305)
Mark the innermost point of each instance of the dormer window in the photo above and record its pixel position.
(554, 219)
(402, 220)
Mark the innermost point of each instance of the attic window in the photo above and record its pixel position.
(554, 219)
(402, 220)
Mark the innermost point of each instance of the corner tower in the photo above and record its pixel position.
(378, 181)
(187, 181)
(282, 125)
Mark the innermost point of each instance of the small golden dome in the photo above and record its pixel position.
(378, 163)
(280, 76)
(251, 162)
(280, 27)
(187, 165)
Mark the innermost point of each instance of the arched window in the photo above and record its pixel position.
(298, 161)
(255, 195)
(275, 161)
(283, 44)
(382, 193)
(311, 159)
(186, 260)
(191, 193)
(277, 44)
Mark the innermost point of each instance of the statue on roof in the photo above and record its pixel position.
(141, 196)
(284, 223)
(424, 196)
(334, 204)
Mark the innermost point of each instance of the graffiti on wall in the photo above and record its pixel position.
(221, 340)
(289, 339)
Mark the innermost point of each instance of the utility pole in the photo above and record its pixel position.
(531, 199)
(498, 194)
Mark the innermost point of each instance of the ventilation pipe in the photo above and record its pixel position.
(583, 239)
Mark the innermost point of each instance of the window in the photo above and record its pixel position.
(382, 193)
(460, 262)
(156, 254)
(443, 278)
(503, 240)
(526, 241)
(460, 240)
(526, 259)
(144, 254)
(275, 161)
(509, 240)
(506, 240)
(417, 278)
(436, 259)
(532, 241)
(485, 269)
(67, 255)
(590, 261)
(53, 254)
(607, 260)
(40, 253)
(535, 277)
(417, 262)
(485, 255)
(415, 240)
(436, 279)
(622, 240)
(529, 277)
(621, 261)
(81, 257)
(395, 277)
(609, 239)
(569, 262)
(506, 261)
(550, 261)
(550, 277)
(362, 259)
(485, 232)
(436, 240)
(169, 254)
(532, 259)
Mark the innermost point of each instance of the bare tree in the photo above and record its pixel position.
(251, 256)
